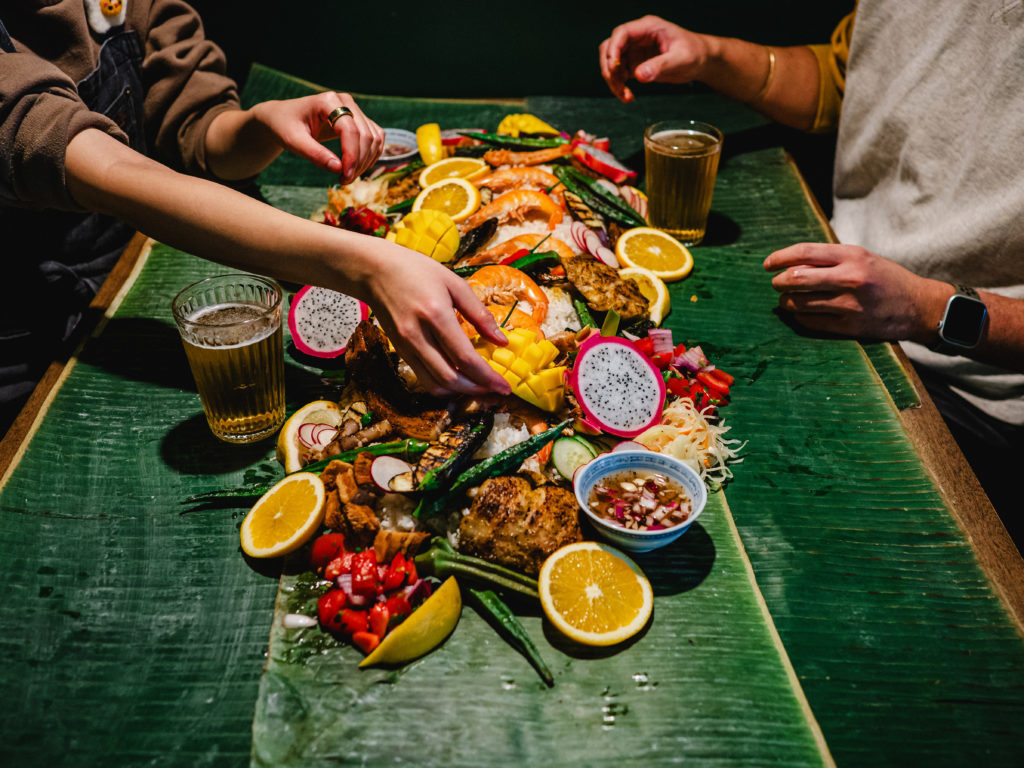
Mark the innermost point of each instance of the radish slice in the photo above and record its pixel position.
(324, 434)
(305, 434)
(629, 445)
(578, 231)
(607, 256)
(385, 468)
(607, 185)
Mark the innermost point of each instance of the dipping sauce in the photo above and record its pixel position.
(394, 150)
(640, 500)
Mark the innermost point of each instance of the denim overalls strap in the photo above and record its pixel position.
(67, 256)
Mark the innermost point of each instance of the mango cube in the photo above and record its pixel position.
(526, 365)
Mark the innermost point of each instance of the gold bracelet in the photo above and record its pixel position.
(768, 80)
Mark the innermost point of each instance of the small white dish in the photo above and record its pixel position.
(400, 143)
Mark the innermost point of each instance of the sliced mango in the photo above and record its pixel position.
(526, 365)
(428, 231)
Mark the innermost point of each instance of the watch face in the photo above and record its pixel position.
(964, 321)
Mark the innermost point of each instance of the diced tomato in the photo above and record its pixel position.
(325, 549)
(398, 608)
(379, 616)
(726, 378)
(645, 345)
(328, 608)
(661, 361)
(713, 386)
(678, 387)
(352, 621)
(339, 565)
(364, 574)
(558, 271)
(366, 641)
(397, 575)
(410, 567)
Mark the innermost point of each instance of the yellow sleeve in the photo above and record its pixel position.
(832, 58)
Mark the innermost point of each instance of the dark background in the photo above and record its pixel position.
(492, 48)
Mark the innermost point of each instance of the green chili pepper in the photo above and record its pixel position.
(441, 561)
(506, 461)
(583, 313)
(535, 261)
(401, 207)
(455, 450)
(510, 142)
(514, 632)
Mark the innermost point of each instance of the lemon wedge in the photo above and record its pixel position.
(428, 141)
(285, 517)
(456, 197)
(288, 443)
(594, 594)
(653, 288)
(655, 250)
(453, 167)
(423, 631)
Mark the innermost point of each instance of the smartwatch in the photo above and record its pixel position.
(963, 322)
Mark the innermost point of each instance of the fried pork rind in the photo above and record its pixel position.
(348, 507)
(387, 544)
(516, 525)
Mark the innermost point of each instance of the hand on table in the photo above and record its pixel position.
(415, 303)
(847, 290)
(300, 125)
(650, 49)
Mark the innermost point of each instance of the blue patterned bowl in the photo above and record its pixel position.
(606, 464)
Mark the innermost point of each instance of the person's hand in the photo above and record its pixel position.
(651, 49)
(301, 124)
(415, 302)
(847, 290)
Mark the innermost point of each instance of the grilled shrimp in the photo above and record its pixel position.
(518, 178)
(518, 319)
(528, 240)
(496, 157)
(498, 284)
(516, 205)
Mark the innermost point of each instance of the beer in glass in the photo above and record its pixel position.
(682, 160)
(231, 328)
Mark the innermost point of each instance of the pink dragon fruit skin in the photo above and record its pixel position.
(617, 387)
(322, 321)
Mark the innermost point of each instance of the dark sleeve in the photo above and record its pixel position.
(186, 86)
(40, 112)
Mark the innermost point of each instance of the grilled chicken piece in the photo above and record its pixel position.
(516, 525)
(603, 289)
(374, 370)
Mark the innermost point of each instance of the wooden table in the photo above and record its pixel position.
(888, 593)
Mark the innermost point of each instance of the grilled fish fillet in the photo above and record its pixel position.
(603, 289)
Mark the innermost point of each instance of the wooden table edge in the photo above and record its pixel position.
(23, 426)
(970, 507)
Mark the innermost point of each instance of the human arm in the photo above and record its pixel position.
(847, 290)
(241, 143)
(651, 49)
(412, 295)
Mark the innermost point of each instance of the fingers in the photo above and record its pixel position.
(804, 254)
(474, 311)
(613, 72)
(362, 140)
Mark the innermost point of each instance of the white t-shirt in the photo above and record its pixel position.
(930, 158)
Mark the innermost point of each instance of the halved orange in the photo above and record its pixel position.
(285, 517)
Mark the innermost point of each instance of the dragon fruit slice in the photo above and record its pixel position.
(322, 320)
(619, 390)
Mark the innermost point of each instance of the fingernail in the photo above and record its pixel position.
(643, 72)
(334, 165)
(501, 334)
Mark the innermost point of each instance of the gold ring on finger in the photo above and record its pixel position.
(337, 113)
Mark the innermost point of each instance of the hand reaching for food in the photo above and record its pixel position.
(650, 49)
(415, 303)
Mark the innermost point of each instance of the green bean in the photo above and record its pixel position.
(585, 188)
(515, 633)
(442, 561)
(509, 142)
(583, 313)
(506, 461)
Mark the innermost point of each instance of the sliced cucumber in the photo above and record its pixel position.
(570, 453)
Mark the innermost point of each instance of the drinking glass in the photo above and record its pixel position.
(682, 161)
(231, 328)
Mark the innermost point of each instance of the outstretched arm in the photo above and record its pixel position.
(241, 143)
(651, 49)
(414, 296)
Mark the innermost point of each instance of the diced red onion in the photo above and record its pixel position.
(662, 339)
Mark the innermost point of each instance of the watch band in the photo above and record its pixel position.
(962, 323)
